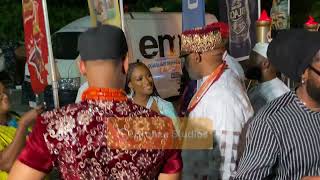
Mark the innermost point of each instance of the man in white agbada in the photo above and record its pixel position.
(234, 65)
(221, 98)
(270, 86)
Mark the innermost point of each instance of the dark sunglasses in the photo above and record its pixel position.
(314, 70)
(183, 57)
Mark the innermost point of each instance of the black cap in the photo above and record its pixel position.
(104, 42)
(291, 52)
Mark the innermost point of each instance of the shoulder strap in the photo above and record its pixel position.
(149, 103)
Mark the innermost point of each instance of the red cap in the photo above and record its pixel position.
(222, 27)
(264, 16)
(311, 21)
(205, 38)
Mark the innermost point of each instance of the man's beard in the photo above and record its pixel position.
(254, 73)
(313, 90)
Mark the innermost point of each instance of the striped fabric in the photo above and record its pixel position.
(283, 142)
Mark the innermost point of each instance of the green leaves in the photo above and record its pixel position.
(300, 10)
(11, 21)
(315, 11)
(60, 14)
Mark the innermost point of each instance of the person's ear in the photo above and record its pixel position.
(82, 67)
(265, 64)
(130, 85)
(269, 36)
(126, 64)
(198, 58)
(305, 76)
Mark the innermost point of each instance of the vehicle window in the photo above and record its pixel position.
(64, 45)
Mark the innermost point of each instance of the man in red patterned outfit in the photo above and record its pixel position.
(86, 140)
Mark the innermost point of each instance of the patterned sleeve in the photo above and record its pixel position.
(229, 115)
(36, 154)
(260, 153)
(173, 163)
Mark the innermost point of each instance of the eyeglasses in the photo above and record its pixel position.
(185, 56)
(314, 70)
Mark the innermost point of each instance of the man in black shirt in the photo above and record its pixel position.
(283, 139)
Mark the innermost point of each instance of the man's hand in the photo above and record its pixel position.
(29, 117)
(311, 178)
(11, 152)
(176, 176)
(22, 171)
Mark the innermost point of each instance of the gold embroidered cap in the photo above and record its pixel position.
(204, 39)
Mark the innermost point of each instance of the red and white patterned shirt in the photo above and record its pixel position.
(76, 139)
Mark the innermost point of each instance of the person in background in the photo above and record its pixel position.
(2, 61)
(87, 140)
(82, 88)
(189, 88)
(270, 86)
(13, 132)
(221, 100)
(10, 118)
(141, 89)
(233, 64)
(283, 139)
(138, 74)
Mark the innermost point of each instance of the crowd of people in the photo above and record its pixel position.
(13, 131)
(268, 132)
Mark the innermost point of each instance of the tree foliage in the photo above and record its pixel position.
(300, 10)
(171, 5)
(11, 21)
(62, 12)
(315, 10)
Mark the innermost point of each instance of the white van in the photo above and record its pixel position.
(153, 38)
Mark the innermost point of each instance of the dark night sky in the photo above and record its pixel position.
(63, 11)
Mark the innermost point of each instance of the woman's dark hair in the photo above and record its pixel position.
(316, 57)
(132, 67)
(9, 113)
